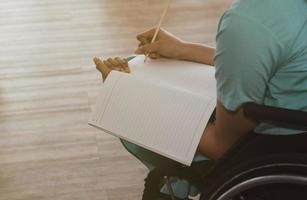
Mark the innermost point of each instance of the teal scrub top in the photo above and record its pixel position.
(261, 56)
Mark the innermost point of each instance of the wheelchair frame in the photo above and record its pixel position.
(266, 170)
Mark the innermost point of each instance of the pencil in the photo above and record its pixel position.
(159, 25)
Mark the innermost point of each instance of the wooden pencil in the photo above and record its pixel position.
(159, 25)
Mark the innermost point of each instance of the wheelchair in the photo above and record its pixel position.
(257, 168)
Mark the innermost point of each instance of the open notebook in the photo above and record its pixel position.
(163, 105)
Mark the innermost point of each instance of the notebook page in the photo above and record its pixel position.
(103, 98)
(191, 76)
(166, 120)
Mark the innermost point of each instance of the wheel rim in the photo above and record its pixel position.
(260, 180)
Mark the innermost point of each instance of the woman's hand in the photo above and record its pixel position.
(106, 66)
(166, 45)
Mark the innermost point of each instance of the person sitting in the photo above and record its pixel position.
(260, 56)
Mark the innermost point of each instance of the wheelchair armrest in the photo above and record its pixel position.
(281, 116)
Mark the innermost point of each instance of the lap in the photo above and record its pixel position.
(151, 159)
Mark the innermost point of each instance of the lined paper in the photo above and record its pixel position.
(160, 109)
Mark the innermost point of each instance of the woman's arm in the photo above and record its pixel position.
(170, 46)
(227, 130)
(197, 52)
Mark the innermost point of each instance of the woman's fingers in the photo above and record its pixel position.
(114, 63)
(148, 48)
(154, 56)
(102, 68)
(112, 66)
(120, 61)
(123, 63)
(118, 64)
(126, 66)
(143, 41)
(106, 66)
(145, 38)
(146, 35)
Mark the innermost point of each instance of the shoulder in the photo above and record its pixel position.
(247, 55)
(278, 20)
(283, 18)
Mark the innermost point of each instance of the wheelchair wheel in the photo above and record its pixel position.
(274, 177)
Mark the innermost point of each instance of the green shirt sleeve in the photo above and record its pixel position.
(247, 54)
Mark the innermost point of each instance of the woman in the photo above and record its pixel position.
(261, 57)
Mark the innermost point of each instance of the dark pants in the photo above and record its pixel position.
(256, 144)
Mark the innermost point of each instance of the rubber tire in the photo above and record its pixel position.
(224, 177)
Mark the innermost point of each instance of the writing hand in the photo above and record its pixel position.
(166, 45)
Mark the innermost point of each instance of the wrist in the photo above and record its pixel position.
(196, 52)
(182, 50)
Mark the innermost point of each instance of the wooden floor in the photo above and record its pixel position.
(48, 84)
